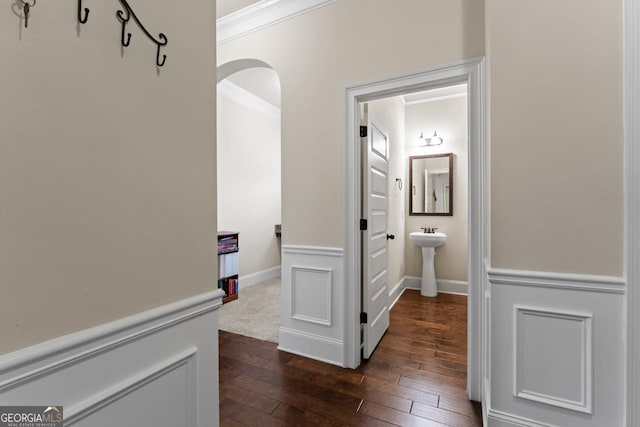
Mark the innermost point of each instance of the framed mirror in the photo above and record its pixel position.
(431, 185)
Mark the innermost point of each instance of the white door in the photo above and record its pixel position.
(375, 206)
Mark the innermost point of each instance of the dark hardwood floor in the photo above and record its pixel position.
(416, 376)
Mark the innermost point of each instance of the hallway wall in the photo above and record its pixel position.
(556, 295)
(107, 167)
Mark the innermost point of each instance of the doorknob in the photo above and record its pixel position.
(390, 237)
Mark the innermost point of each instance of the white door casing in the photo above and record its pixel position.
(470, 71)
(375, 209)
(631, 45)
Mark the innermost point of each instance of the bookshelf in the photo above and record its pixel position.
(228, 264)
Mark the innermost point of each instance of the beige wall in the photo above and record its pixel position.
(347, 42)
(107, 168)
(390, 112)
(555, 78)
(449, 118)
(249, 182)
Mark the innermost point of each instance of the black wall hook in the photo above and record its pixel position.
(26, 10)
(399, 183)
(86, 13)
(126, 40)
(163, 38)
(124, 16)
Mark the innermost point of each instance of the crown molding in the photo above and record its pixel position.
(262, 14)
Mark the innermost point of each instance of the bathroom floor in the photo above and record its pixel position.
(416, 376)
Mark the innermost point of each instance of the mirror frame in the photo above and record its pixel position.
(411, 159)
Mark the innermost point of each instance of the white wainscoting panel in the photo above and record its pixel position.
(556, 349)
(312, 306)
(311, 294)
(158, 382)
(557, 344)
(155, 368)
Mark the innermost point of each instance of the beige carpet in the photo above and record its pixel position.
(256, 312)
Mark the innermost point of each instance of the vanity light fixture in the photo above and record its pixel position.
(428, 142)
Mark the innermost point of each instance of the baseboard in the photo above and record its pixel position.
(396, 292)
(445, 286)
(320, 348)
(115, 373)
(259, 277)
(455, 287)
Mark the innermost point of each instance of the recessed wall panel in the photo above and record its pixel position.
(553, 358)
(311, 295)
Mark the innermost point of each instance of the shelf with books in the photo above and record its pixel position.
(228, 269)
(230, 286)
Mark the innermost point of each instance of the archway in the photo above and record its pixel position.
(249, 195)
(227, 69)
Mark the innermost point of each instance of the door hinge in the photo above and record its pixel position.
(363, 131)
(363, 225)
(363, 317)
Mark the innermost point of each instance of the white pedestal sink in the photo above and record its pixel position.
(428, 242)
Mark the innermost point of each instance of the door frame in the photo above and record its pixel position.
(470, 71)
(631, 70)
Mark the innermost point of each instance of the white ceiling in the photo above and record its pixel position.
(262, 82)
(435, 94)
(225, 7)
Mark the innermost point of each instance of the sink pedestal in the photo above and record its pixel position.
(429, 286)
(428, 242)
